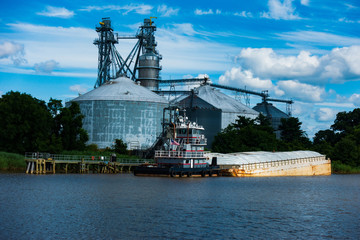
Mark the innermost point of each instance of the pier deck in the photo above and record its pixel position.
(42, 163)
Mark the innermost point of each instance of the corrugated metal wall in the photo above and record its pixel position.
(136, 123)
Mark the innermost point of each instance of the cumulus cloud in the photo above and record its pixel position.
(78, 89)
(280, 10)
(203, 12)
(13, 51)
(355, 99)
(46, 67)
(59, 12)
(266, 63)
(142, 9)
(325, 114)
(166, 11)
(239, 77)
(302, 91)
(339, 65)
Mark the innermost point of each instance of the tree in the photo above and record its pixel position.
(346, 122)
(120, 146)
(347, 151)
(246, 135)
(292, 136)
(342, 142)
(25, 123)
(69, 127)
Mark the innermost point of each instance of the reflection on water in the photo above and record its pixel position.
(126, 207)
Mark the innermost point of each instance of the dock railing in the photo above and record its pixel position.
(79, 158)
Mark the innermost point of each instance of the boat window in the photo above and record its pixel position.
(190, 131)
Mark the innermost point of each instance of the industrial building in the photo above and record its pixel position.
(127, 103)
(213, 109)
(122, 109)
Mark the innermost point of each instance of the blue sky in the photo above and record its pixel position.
(305, 50)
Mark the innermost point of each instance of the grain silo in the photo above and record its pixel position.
(122, 109)
(213, 110)
(275, 115)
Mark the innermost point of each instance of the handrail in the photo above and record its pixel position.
(79, 158)
(179, 154)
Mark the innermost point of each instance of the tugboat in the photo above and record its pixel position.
(181, 152)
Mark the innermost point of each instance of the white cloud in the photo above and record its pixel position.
(355, 98)
(319, 38)
(339, 65)
(73, 46)
(244, 14)
(142, 9)
(59, 12)
(349, 6)
(46, 67)
(203, 12)
(240, 78)
(193, 56)
(166, 11)
(184, 28)
(265, 63)
(305, 2)
(325, 114)
(78, 88)
(280, 10)
(13, 51)
(345, 20)
(302, 91)
(218, 11)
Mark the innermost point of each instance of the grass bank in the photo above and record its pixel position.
(337, 167)
(12, 162)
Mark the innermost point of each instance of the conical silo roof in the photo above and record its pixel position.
(122, 89)
(222, 101)
(268, 109)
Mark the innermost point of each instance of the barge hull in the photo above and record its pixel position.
(173, 172)
(315, 169)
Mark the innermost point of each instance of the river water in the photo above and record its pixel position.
(123, 206)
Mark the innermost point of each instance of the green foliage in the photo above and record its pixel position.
(342, 142)
(293, 138)
(29, 125)
(11, 161)
(120, 147)
(25, 123)
(246, 135)
(72, 135)
(346, 122)
(338, 167)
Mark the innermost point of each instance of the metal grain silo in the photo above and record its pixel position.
(213, 109)
(148, 70)
(122, 109)
(274, 114)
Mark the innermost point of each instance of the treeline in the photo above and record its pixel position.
(28, 124)
(341, 143)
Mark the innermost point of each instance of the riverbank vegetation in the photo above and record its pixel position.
(340, 143)
(31, 125)
(12, 162)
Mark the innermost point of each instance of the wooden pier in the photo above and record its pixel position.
(43, 163)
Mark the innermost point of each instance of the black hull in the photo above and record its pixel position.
(177, 171)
